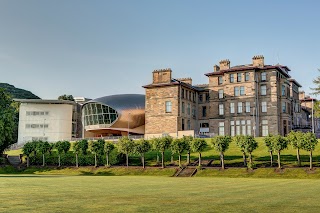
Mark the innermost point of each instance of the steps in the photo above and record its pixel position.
(186, 172)
(14, 160)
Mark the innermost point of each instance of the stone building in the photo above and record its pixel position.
(254, 99)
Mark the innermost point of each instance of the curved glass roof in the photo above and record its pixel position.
(96, 113)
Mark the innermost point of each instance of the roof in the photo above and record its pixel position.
(295, 82)
(42, 101)
(122, 101)
(249, 67)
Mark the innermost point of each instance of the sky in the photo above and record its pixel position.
(98, 47)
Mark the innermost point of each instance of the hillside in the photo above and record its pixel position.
(17, 92)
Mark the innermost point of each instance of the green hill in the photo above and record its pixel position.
(17, 92)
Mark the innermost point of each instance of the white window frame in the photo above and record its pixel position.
(263, 89)
(221, 128)
(221, 109)
(236, 91)
(168, 106)
(220, 92)
(247, 106)
(263, 76)
(232, 107)
(265, 129)
(264, 106)
(240, 107)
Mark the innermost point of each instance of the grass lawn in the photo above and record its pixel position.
(23, 193)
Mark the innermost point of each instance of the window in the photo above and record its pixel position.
(37, 113)
(207, 97)
(284, 107)
(193, 111)
(236, 91)
(243, 127)
(263, 76)
(188, 125)
(200, 98)
(283, 90)
(265, 130)
(189, 109)
(183, 107)
(182, 124)
(190, 96)
(238, 77)
(220, 93)
(242, 90)
(246, 76)
(221, 128)
(168, 106)
(232, 133)
(238, 128)
(263, 106)
(239, 107)
(231, 76)
(221, 110)
(248, 127)
(247, 106)
(182, 93)
(263, 89)
(231, 107)
(220, 80)
(187, 94)
(204, 111)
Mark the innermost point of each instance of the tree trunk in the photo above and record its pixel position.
(59, 161)
(95, 160)
(199, 159)
(28, 161)
(271, 158)
(279, 163)
(107, 158)
(171, 158)
(298, 157)
(222, 160)
(250, 159)
(77, 162)
(179, 160)
(142, 159)
(310, 159)
(162, 160)
(127, 159)
(43, 160)
(157, 157)
(188, 158)
(244, 159)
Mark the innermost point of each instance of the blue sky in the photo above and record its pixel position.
(97, 48)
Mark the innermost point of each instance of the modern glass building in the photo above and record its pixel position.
(114, 115)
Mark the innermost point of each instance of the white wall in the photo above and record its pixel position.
(59, 121)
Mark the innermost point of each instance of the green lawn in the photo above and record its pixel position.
(23, 193)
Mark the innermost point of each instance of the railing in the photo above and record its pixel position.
(112, 138)
(301, 127)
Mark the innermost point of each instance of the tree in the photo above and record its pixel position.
(76, 149)
(62, 147)
(43, 148)
(279, 143)
(141, 147)
(296, 140)
(154, 143)
(268, 143)
(108, 147)
(66, 97)
(250, 145)
(240, 142)
(178, 146)
(126, 146)
(95, 147)
(316, 89)
(198, 145)
(309, 144)
(59, 147)
(188, 140)
(83, 145)
(221, 144)
(161, 145)
(8, 122)
(27, 149)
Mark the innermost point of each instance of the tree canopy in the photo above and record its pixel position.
(8, 121)
(66, 97)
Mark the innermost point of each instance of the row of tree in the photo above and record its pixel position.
(126, 146)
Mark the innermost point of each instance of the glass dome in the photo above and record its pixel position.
(96, 113)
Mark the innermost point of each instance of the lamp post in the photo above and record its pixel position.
(44, 122)
(128, 123)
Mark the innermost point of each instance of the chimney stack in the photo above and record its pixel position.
(216, 68)
(258, 61)
(224, 64)
(185, 80)
(162, 76)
